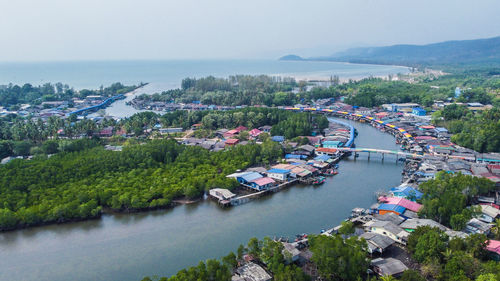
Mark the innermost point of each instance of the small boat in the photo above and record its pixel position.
(319, 180)
(330, 172)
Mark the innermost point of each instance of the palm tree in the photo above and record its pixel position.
(496, 229)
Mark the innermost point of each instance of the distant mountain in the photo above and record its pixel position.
(291, 57)
(480, 51)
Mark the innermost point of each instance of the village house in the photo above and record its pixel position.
(231, 142)
(376, 243)
(262, 183)
(251, 272)
(388, 229)
(411, 224)
(278, 174)
(265, 129)
(388, 267)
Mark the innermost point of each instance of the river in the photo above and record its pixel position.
(131, 246)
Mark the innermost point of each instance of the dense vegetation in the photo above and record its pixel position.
(242, 90)
(78, 185)
(480, 87)
(264, 251)
(338, 258)
(480, 131)
(443, 258)
(446, 198)
(14, 95)
(285, 123)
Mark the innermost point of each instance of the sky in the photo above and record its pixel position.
(48, 30)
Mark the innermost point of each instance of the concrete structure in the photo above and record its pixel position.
(411, 224)
(170, 130)
(377, 243)
(388, 267)
(419, 111)
(388, 229)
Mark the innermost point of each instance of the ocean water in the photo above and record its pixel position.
(166, 74)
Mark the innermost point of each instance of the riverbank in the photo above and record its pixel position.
(130, 246)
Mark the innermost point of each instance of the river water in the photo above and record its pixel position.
(131, 246)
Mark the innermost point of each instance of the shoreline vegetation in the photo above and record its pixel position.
(83, 178)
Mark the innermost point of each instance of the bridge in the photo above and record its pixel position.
(381, 151)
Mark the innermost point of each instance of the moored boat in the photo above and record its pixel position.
(319, 180)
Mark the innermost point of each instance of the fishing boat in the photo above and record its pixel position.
(319, 180)
(330, 172)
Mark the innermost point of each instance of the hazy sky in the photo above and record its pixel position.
(164, 29)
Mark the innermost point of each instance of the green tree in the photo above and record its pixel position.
(339, 259)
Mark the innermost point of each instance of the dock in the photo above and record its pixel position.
(246, 198)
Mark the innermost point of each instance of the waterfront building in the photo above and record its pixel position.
(326, 151)
(221, 194)
(332, 144)
(246, 178)
(407, 192)
(390, 208)
(419, 111)
(405, 203)
(262, 183)
(278, 174)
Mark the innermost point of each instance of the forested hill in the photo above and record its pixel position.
(465, 52)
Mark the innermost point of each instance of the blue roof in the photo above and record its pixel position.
(322, 158)
(295, 156)
(407, 191)
(251, 176)
(392, 207)
(278, 171)
(418, 109)
(278, 138)
(332, 142)
(441, 130)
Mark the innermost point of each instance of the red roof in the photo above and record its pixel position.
(428, 127)
(255, 132)
(197, 125)
(326, 150)
(493, 246)
(263, 181)
(313, 140)
(241, 128)
(410, 205)
(232, 141)
(231, 133)
(381, 114)
(424, 138)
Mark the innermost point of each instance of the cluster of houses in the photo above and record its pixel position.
(142, 104)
